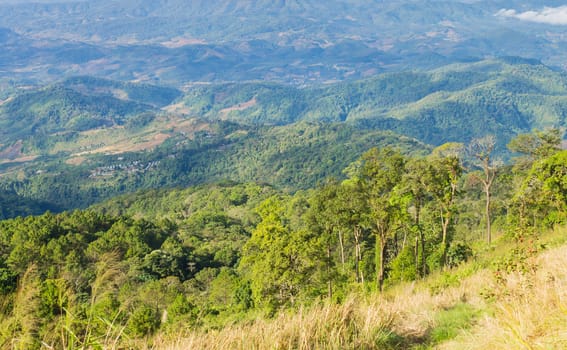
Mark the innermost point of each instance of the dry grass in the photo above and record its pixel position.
(402, 318)
(530, 311)
(519, 310)
(20, 331)
(525, 311)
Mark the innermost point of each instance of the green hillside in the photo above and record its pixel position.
(85, 139)
(397, 255)
(78, 104)
(290, 157)
(292, 174)
(12, 205)
(455, 103)
(156, 96)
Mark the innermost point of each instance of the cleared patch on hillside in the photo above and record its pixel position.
(180, 42)
(12, 152)
(127, 145)
(6, 100)
(118, 140)
(179, 108)
(76, 160)
(223, 113)
(19, 159)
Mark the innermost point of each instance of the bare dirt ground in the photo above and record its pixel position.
(239, 107)
(12, 152)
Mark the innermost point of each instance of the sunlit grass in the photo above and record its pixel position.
(526, 311)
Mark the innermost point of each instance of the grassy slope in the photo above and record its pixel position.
(467, 308)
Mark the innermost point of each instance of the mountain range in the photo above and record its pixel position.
(301, 42)
(83, 139)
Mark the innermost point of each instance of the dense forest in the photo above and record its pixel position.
(84, 140)
(162, 261)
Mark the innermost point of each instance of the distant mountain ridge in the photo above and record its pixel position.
(300, 42)
(453, 103)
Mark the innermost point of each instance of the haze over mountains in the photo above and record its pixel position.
(302, 42)
(105, 97)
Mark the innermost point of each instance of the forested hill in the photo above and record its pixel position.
(289, 157)
(175, 268)
(454, 103)
(78, 104)
(283, 174)
(458, 102)
(84, 139)
(12, 205)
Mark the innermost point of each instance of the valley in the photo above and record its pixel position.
(289, 174)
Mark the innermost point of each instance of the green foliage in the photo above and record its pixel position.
(436, 258)
(446, 279)
(500, 97)
(380, 174)
(404, 266)
(8, 280)
(12, 205)
(161, 260)
(278, 259)
(458, 253)
(59, 108)
(452, 322)
(158, 96)
(289, 157)
(53, 298)
(144, 320)
(544, 191)
(283, 136)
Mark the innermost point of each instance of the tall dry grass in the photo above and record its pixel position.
(530, 310)
(20, 329)
(402, 318)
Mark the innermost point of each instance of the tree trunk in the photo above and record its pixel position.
(487, 213)
(357, 253)
(416, 257)
(417, 220)
(445, 220)
(381, 259)
(329, 282)
(342, 250)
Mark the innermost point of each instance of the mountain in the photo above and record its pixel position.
(300, 42)
(85, 139)
(457, 102)
(290, 157)
(78, 104)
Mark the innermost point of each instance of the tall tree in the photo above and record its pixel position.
(323, 220)
(279, 261)
(381, 172)
(443, 178)
(534, 146)
(481, 151)
(415, 183)
(354, 215)
(544, 190)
